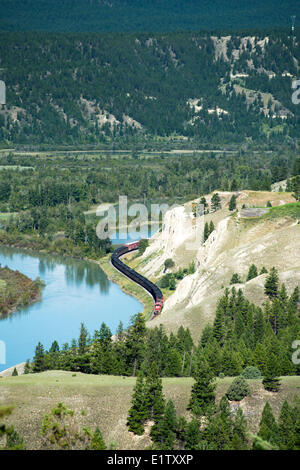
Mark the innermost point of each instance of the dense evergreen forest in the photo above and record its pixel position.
(128, 89)
(242, 335)
(142, 15)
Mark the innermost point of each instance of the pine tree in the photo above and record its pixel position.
(218, 326)
(286, 428)
(192, 435)
(238, 389)
(235, 279)
(154, 397)
(252, 273)
(15, 372)
(239, 440)
(232, 203)
(215, 202)
(39, 358)
(82, 341)
(206, 232)
(271, 284)
(163, 432)
(202, 399)
(270, 380)
(97, 441)
(259, 326)
(268, 427)
(204, 203)
(211, 227)
(135, 342)
(27, 367)
(138, 413)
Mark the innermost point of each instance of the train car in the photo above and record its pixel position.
(136, 277)
(132, 246)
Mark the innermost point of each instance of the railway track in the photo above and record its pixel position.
(153, 290)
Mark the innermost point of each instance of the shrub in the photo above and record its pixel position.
(144, 243)
(251, 372)
(169, 263)
(164, 281)
(238, 390)
(235, 279)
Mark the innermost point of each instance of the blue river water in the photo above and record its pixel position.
(75, 291)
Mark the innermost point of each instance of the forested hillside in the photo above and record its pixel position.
(98, 88)
(142, 15)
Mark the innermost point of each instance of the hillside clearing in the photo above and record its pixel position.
(106, 400)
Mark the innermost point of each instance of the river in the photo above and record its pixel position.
(76, 291)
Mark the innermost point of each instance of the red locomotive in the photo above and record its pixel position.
(158, 305)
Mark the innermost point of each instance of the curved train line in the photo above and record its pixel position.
(136, 277)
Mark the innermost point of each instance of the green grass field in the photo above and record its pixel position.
(287, 210)
(106, 400)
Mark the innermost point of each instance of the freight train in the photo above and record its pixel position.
(136, 277)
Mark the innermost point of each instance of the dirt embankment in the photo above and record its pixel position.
(232, 247)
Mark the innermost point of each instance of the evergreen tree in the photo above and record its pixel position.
(154, 397)
(163, 433)
(268, 427)
(238, 389)
(27, 367)
(15, 372)
(135, 342)
(252, 273)
(192, 435)
(203, 391)
(232, 203)
(204, 203)
(218, 326)
(215, 202)
(271, 284)
(235, 279)
(206, 232)
(240, 438)
(138, 413)
(97, 441)
(286, 428)
(270, 380)
(82, 341)
(39, 358)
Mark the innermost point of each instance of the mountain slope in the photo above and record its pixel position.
(142, 15)
(236, 243)
(98, 88)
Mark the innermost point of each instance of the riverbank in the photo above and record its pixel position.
(127, 286)
(17, 290)
(60, 246)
